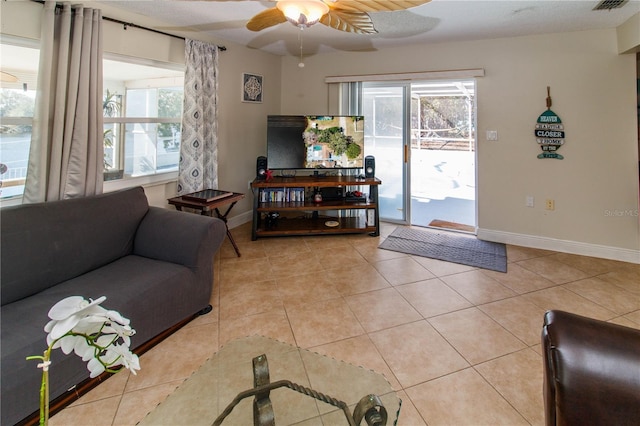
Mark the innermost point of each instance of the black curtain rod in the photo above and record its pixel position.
(129, 24)
(132, 25)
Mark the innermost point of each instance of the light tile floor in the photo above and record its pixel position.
(460, 345)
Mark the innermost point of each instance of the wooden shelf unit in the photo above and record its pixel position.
(308, 217)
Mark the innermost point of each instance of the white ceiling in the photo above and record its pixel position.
(434, 22)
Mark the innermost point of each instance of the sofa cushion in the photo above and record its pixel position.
(135, 286)
(44, 244)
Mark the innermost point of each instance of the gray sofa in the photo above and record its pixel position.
(154, 265)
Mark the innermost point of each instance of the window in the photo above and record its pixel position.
(142, 105)
(19, 63)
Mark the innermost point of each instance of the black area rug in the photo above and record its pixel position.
(448, 246)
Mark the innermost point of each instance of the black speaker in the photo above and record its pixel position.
(369, 166)
(332, 193)
(261, 168)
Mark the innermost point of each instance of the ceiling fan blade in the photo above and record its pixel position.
(349, 21)
(266, 19)
(8, 78)
(374, 5)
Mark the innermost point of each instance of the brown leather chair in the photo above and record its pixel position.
(591, 371)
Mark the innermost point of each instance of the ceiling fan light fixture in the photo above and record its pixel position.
(303, 13)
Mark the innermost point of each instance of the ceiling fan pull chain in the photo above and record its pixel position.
(301, 63)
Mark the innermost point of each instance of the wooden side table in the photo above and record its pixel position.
(207, 208)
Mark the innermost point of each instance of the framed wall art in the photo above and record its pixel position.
(252, 88)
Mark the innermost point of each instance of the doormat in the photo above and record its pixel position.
(447, 246)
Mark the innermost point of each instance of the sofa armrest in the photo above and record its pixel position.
(179, 237)
(591, 371)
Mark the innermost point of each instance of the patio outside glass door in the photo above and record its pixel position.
(443, 155)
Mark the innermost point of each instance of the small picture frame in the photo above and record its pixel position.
(252, 88)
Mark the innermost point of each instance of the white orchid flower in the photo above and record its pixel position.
(105, 340)
(91, 332)
(95, 367)
(132, 362)
(73, 305)
(68, 312)
(86, 326)
(123, 331)
(84, 350)
(68, 343)
(115, 316)
(124, 357)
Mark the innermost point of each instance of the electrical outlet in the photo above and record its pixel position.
(550, 204)
(492, 135)
(529, 201)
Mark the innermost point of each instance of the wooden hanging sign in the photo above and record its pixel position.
(549, 132)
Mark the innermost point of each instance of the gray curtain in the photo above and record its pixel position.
(199, 144)
(66, 155)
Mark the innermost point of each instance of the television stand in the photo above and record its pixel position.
(298, 214)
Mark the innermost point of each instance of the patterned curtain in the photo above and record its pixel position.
(66, 154)
(199, 144)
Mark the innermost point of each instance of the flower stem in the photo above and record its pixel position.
(44, 395)
(44, 386)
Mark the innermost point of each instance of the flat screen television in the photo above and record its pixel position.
(315, 141)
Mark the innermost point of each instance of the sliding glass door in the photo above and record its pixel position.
(385, 107)
(422, 134)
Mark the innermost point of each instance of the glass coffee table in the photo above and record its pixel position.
(201, 398)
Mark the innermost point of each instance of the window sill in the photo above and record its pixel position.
(114, 185)
(149, 180)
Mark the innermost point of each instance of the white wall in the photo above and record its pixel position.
(593, 88)
(629, 35)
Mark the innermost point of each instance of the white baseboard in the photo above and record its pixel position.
(564, 246)
(240, 219)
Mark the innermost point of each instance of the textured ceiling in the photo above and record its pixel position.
(434, 22)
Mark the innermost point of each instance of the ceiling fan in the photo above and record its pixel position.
(343, 15)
